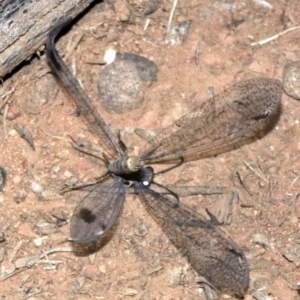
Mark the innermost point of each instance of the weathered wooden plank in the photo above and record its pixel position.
(24, 25)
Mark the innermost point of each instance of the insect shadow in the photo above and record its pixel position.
(228, 120)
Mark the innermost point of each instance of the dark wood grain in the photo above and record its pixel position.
(24, 26)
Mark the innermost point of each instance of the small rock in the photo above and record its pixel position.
(13, 112)
(102, 268)
(22, 262)
(120, 87)
(25, 134)
(122, 10)
(36, 187)
(147, 69)
(68, 174)
(55, 169)
(39, 241)
(292, 254)
(2, 254)
(259, 296)
(49, 194)
(141, 230)
(17, 179)
(261, 239)
(175, 275)
(2, 237)
(62, 154)
(291, 79)
(45, 229)
(144, 134)
(144, 7)
(37, 95)
(109, 56)
(128, 292)
(179, 33)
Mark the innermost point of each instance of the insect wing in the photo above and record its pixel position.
(209, 250)
(98, 211)
(218, 125)
(80, 97)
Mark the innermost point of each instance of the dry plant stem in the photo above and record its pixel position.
(274, 37)
(197, 56)
(55, 136)
(186, 191)
(34, 261)
(170, 21)
(6, 106)
(4, 120)
(15, 251)
(256, 173)
(72, 46)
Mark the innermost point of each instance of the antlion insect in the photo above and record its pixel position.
(222, 123)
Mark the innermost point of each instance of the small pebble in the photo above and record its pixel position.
(175, 276)
(36, 187)
(141, 230)
(102, 269)
(147, 68)
(68, 174)
(110, 56)
(2, 237)
(12, 132)
(122, 10)
(261, 239)
(17, 179)
(45, 229)
(64, 153)
(179, 33)
(37, 94)
(49, 194)
(291, 79)
(292, 254)
(144, 7)
(2, 254)
(39, 241)
(120, 87)
(56, 169)
(259, 296)
(13, 112)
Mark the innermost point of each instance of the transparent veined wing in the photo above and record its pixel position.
(79, 96)
(98, 210)
(211, 252)
(220, 124)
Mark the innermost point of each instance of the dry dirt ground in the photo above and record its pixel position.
(138, 261)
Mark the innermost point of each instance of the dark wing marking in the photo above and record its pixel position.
(220, 124)
(98, 211)
(80, 97)
(212, 253)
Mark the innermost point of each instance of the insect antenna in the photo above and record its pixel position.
(171, 168)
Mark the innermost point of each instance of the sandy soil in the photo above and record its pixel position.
(138, 261)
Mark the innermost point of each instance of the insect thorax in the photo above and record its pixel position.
(125, 165)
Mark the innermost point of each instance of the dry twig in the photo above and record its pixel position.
(274, 37)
